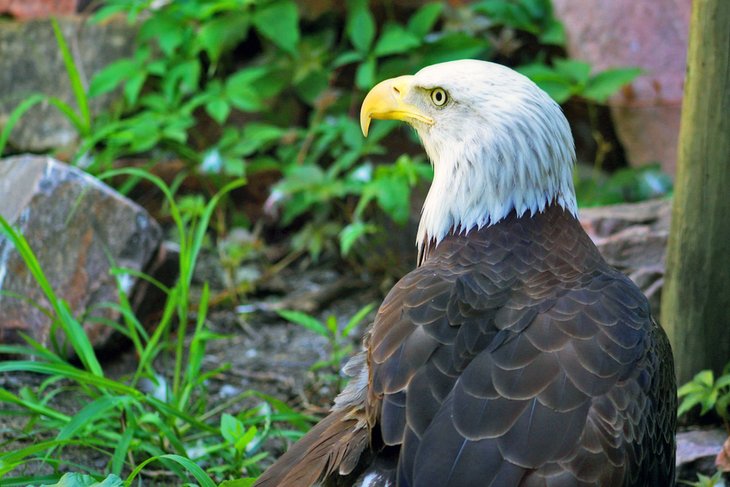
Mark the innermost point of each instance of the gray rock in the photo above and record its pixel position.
(79, 229)
(31, 62)
(695, 444)
(633, 238)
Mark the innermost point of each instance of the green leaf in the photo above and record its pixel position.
(451, 46)
(279, 22)
(424, 19)
(241, 89)
(222, 34)
(352, 233)
(169, 32)
(360, 25)
(346, 58)
(231, 428)
(304, 320)
(606, 83)
(218, 109)
(576, 71)
(554, 34)
(111, 76)
(357, 318)
(556, 84)
(391, 193)
(365, 74)
(80, 480)
(395, 40)
(245, 439)
(133, 87)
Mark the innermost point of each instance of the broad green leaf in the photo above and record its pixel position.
(365, 74)
(244, 440)
(133, 87)
(451, 46)
(395, 40)
(346, 58)
(112, 76)
(392, 196)
(553, 34)
(231, 428)
(352, 233)
(576, 71)
(222, 34)
(556, 84)
(606, 83)
(424, 19)
(169, 32)
(241, 89)
(279, 22)
(360, 25)
(304, 320)
(218, 109)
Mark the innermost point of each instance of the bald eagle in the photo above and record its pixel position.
(513, 355)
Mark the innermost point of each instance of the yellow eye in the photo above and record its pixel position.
(439, 96)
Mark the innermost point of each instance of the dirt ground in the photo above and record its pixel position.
(264, 353)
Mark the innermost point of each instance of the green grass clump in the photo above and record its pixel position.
(174, 426)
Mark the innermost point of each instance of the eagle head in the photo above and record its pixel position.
(497, 142)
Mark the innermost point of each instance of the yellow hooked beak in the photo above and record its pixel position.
(385, 102)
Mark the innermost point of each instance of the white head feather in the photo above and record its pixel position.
(498, 144)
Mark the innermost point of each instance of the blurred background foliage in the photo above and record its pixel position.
(225, 89)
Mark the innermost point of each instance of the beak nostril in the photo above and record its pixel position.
(397, 91)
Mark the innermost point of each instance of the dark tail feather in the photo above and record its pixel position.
(334, 444)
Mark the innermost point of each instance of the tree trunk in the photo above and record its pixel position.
(696, 295)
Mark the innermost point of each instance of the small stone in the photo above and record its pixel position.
(79, 229)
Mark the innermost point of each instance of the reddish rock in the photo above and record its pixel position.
(651, 34)
(36, 9)
(722, 461)
(79, 229)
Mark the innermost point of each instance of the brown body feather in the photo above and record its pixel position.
(513, 356)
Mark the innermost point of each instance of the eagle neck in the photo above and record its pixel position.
(482, 176)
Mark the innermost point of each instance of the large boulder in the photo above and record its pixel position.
(31, 62)
(79, 229)
(650, 34)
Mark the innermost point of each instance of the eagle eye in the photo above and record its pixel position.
(439, 96)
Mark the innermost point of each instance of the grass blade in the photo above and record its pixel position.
(89, 414)
(74, 78)
(71, 327)
(15, 115)
(188, 464)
